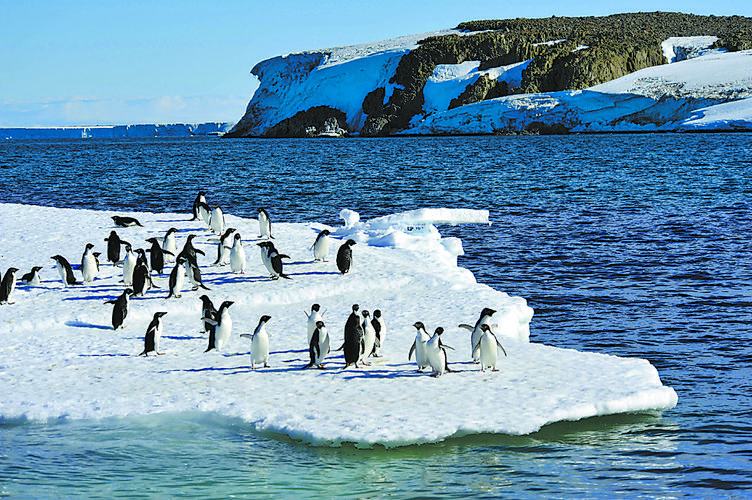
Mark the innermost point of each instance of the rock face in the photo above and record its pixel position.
(563, 54)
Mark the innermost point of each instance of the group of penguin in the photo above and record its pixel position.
(362, 337)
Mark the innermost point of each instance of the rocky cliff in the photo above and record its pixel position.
(380, 89)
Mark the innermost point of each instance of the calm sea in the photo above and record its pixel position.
(633, 245)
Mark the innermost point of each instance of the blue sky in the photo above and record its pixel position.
(106, 62)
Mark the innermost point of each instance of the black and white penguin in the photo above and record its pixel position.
(486, 348)
(436, 352)
(113, 247)
(177, 279)
(153, 335)
(142, 281)
(208, 311)
(157, 255)
(96, 259)
(204, 212)
(222, 327)
(169, 245)
(344, 256)
(120, 311)
(321, 245)
(476, 332)
(380, 328)
(259, 343)
(237, 256)
(265, 224)
(217, 220)
(224, 247)
(89, 267)
(141, 253)
(318, 346)
(353, 345)
(32, 277)
(129, 265)
(200, 198)
(419, 346)
(194, 274)
(272, 260)
(8, 285)
(125, 221)
(189, 251)
(369, 337)
(313, 318)
(65, 271)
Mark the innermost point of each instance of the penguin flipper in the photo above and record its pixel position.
(500, 347)
(476, 349)
(200, 251)
(246, 335)
(410, 354)
(466, 327)
(214, 322)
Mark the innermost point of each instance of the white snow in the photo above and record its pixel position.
(680, 48)
(60, 359)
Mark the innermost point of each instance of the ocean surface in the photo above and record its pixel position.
(632, 245)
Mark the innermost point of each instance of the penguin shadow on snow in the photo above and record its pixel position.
(121, 355)
(83, 324)
(225, 279)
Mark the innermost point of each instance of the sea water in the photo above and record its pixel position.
(633, 245)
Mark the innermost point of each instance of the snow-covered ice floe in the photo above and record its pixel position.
(61, 359)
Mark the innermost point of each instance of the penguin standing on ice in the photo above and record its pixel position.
(353, 345)
(120, 311)
(189, 251)
(194, 274)
(272, 260)
(344, 256)
(237, 256)
(8, 285)
(217, 220)
(222, 327)
(318, 346)
(129, 265)
(259, 343)
(65, 271)
(486, 348)
(169, 245)
(200, 198)
(321, 245)
(153, 335)
(265, 224)
(313, 318)
(208, 311)
(157, 255)
(204, 212)
(419, 346)
(113, 247)
(177, 279)
(369, 338)
(89, 266)
(142, 282)
(484, 318)
(224, 247)
(32, 277)
(125, 221)
(437, 356)
(380, 328)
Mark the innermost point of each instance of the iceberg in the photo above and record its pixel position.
(61, 359)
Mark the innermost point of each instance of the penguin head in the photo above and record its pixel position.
(226, 304)
(228, 232)
(419, 325)
(439, 331)
(128, 247)
(190, 238)
(365, 313)
(89, 246)
(319, 325)
(11, 270)
(485, 328)
(205, 298)
(264, 319)
(350, 242)
(355, 308)
(128, 291)
(487, 311)
(36, 269)
(158, 315)
(57, 258)
(237, 236)
(326, 232)
(315, 307)
(171, 230)
(377, 313)
(96, 254)
(151, 240)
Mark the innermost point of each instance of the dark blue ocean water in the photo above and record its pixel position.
(633, 245)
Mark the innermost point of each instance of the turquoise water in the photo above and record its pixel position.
(633, 245)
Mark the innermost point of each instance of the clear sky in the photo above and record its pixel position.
(111, 62)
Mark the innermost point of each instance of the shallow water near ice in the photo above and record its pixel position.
(633, 245)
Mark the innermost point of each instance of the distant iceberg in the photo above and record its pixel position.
(118, 131)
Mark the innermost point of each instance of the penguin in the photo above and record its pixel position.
(259, 343)
(125, 221)
(169, 245)
(222, 327)
(380, 328)
(113, 247)
(486, 349)
(65, 270)
(189, 250)
(141, 253)
(265, 224)
(313, 318)
(32, 277)
(344, 256)
(208, 311)
(96, 259)
(224, 247)
(369, 337)
(194, 274)
(321, 245)
(89, 267)
(318, 346)
(419, 346)
(129, 265)
(204, 212)
(485, 318)
(142, 282)
(157, 255)
(353, 344)
(177, 279)
(436, 352)
(200, 198)
(8, 285)
(217, 220)
(120, 311)
(237, 256)
(272, 259)
(153, 334)
(266, 247)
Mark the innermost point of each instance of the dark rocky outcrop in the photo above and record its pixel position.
(314, 122)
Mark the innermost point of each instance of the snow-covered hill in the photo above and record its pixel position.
(699, 89)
